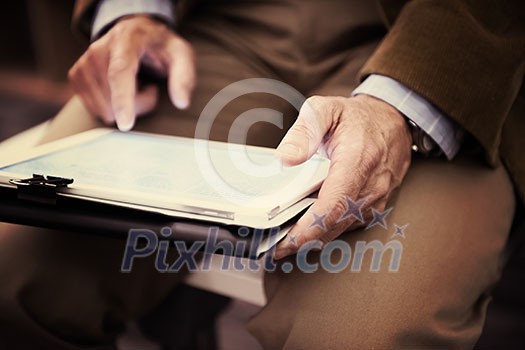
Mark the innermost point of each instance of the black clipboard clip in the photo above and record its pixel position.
(40, 188)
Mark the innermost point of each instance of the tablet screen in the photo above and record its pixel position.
(180, 170)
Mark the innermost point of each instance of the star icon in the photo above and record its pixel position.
(293, 241)
(400, 230)
(319, 221)
(353, 209)
(379, 218)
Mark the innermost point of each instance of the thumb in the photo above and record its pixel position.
(305, 136)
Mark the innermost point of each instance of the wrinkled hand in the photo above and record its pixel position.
(105, 77)
(368, 143)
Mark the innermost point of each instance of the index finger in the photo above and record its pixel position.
(182, 75)
(122, 80)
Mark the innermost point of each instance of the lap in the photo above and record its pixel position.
(458, 216)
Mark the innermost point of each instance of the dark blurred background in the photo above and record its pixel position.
(37, 49)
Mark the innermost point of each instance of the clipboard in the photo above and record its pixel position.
(41, 197)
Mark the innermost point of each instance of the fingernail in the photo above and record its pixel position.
(124, 123)
(285, 248)
(281, 253)
(287, 150)
(182, 103)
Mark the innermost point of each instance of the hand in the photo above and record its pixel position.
(368, 143)
(105, 77)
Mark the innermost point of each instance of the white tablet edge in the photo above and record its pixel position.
(272, 218)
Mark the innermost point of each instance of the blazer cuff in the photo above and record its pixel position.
(440, 128)
(109, 11)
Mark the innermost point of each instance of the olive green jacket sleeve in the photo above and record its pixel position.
(465, 56)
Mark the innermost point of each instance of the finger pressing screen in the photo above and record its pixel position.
(181, 76)
(122, 80)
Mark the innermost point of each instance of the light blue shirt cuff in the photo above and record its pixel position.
(415, 107)
(108, 11)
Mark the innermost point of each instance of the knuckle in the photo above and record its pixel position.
(370, 157)
(95, 50)
(181, 47)
(98, 44)
(386, 185)
(315, 103)
(325, 104)
(366, 165)
(377, 189)
(315, 100)
(122, 32)
(178, 43)
(305, 130)
(72, 74)
(91, 55)
(76, 71)
(380, 191)
(334, 106)
(326, 110)
(138, 31)
(75, 74)
(141, 27)
(119, 29)
(118, 66)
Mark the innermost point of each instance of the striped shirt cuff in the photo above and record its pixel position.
(108, 11)
(415, 107)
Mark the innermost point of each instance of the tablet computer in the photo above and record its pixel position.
(181, 177)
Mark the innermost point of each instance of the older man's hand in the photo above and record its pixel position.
(105, 77)
(368, 143)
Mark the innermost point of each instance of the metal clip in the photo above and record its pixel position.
(39, 188)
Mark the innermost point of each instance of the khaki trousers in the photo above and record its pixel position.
(62, 290)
